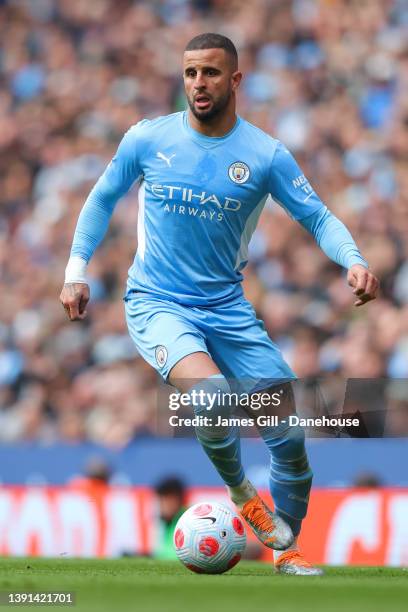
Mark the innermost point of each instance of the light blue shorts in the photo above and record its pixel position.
(164, 332)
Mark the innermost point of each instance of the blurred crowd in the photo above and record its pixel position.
(327, 77)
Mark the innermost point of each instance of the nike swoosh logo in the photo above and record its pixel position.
(208, 518)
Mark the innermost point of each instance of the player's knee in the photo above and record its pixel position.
(213, 401)
(212, 397)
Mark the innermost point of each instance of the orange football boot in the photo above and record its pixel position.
(293, 562)
(268, 527)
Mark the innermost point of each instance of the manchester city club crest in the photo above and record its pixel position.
(238, 172)
(161, 355)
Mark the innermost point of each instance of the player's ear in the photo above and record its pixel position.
(236, 78)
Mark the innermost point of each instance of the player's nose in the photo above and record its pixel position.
(199, 81)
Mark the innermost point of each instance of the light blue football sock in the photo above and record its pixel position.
(220, 442)
(290, 477)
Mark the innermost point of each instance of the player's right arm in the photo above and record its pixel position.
(93, 221)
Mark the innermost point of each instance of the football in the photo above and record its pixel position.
(209, 538)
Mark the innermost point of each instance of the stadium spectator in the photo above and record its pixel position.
(396, 417)
(171, 504)
(328, 79)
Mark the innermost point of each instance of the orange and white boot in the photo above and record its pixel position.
(293, 562)
(269, 528)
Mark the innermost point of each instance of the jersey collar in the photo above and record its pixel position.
(207, 140)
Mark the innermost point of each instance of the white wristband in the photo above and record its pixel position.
(75, 272)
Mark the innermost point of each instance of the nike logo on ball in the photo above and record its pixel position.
(208, 518)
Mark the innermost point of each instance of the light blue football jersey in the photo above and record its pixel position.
(200, 199)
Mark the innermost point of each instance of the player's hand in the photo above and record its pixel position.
(74, 298)
(365, 284)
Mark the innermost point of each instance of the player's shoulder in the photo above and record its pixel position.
(149, 126)
(260, 141)
(258, 134)
(263, 146)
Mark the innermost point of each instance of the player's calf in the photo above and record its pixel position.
(220, 442)
(290, 477)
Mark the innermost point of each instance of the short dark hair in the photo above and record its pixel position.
(210, 40)
(170, 486)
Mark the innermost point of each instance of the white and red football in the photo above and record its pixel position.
(209, 538)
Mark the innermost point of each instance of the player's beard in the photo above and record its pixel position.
(216, 109)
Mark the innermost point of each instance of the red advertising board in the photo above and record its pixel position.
(344, 526)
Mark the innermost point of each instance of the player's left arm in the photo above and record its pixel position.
(291, 189)
(337, 243)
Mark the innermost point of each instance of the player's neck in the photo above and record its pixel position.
(219, 127)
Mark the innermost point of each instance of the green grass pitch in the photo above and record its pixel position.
(144, 584)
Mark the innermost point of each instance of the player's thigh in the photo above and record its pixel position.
(190, 370)
(242, 349)
(164, 332)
